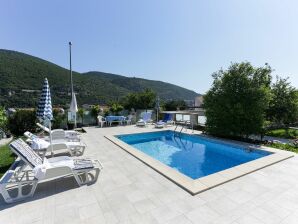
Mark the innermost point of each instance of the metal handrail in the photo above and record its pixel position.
(181, 129)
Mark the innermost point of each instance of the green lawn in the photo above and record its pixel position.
(282, 146)
(6, 159)
(283, 133)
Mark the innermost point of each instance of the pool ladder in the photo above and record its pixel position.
(180, 129)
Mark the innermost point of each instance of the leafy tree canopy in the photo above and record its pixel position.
(283, 108)
(115, 107)
(81, 112)
(21, 121)
(95, 109)
(236, 103)
(60, 119)
(140, 100)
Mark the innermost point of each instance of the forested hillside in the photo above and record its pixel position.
(21, 79)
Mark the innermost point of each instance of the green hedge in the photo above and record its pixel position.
(21, 121)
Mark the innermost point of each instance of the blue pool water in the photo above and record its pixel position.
(191, 155)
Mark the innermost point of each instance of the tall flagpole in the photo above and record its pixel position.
(71, 82)
(70, 69)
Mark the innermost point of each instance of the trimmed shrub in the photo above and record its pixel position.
(21, 121)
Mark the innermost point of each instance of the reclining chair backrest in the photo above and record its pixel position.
(58, 134)
(25, 152)
(29, 135)
(43, 127)
(168, 117)
(147, 116)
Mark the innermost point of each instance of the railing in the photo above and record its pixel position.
(181, 129)
(180, 143)
(182, 125)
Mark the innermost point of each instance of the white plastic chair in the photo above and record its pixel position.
(101, 121)
(129, 119)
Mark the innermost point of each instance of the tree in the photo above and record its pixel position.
(59, 120)
(115, 107)
(95, 111)
(141, 100)
(147, 99)
(237, 101)
(131, 101)
(21, 121)
(283, 107)
(174, 104)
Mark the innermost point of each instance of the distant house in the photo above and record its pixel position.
(189, 103)
(199, 101)
(87, 106)
(30, 91)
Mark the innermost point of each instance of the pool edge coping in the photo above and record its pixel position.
(210, 181)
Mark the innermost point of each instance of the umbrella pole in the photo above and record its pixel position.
(50, 127)
(75, 120)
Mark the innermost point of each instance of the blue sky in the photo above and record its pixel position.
(178, 41)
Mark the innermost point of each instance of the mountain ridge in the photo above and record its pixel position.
(21, 79)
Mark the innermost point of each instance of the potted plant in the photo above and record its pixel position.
(8, 134)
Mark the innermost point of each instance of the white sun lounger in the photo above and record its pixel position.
(42, 146)
(141, 123)
(144, 120)
(159, 124)
(61, 134)
(58, 137)
(21, 180)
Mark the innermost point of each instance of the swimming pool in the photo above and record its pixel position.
(191, 155)
(195, 162)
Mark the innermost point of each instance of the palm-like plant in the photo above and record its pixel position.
(95, 111)
(81, 112)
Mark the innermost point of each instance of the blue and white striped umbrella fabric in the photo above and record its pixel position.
(44, 109)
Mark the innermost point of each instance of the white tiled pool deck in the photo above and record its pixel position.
(128, 191)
